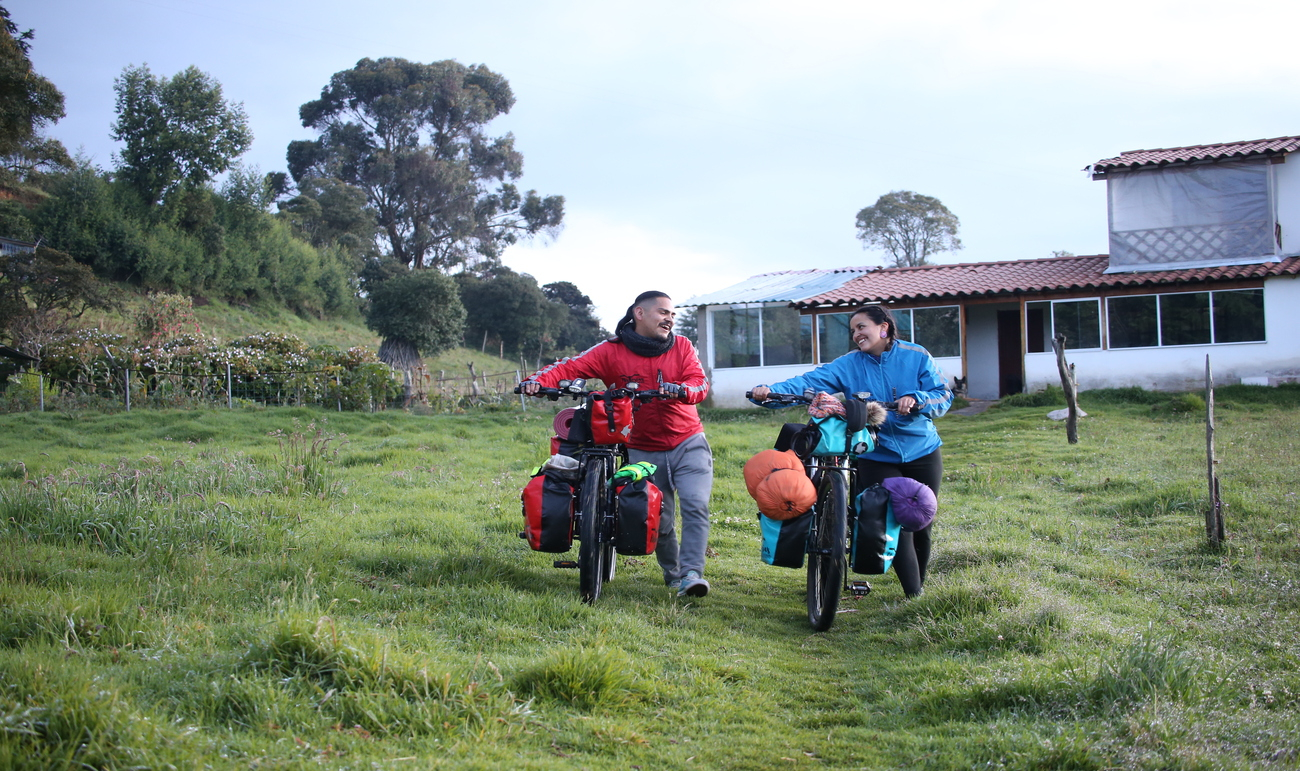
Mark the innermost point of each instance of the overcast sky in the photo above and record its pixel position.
(699, 143)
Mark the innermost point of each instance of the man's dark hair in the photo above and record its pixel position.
(878, 314)
(629, 318)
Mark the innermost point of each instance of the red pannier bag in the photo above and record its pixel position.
(638, 518)
(548, 513)
(611, 419)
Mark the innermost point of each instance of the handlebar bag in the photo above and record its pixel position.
(784, 542)
(611, 419)
(835, 439)
(875, 532)
(548, 503)
(639, 505)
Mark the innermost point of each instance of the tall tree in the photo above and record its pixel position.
(413, 137)
(28, 103)
(175, 130)
(909, 226)
(581, 329)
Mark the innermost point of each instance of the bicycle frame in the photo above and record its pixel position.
(596, 521)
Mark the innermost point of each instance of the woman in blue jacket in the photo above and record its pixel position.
(890, 370)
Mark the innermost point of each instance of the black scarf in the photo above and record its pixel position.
(641, 345)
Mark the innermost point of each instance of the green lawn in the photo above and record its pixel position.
(188, 588)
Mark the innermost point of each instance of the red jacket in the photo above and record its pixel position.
(660, 424)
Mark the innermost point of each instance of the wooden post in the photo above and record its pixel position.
(473, 382)
(1214, 529)
(1070, 387)
(230, 391)
(523, 400)
(127, 375)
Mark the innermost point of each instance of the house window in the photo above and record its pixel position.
(1078, 320)
(938, 330)
(1239, 316)
(1186, 318)
(757, 337)
(1134, 321)
(833, 340)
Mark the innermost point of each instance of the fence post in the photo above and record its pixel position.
(523, 404)
(40, 389)
(127, 372)
(338, 392)
(230, 394)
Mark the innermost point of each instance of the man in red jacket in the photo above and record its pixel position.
(667, 432)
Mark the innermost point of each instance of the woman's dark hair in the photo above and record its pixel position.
(629, 318)
(878, 314)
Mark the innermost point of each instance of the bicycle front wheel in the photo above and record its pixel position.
(592, 551)
(826, 551)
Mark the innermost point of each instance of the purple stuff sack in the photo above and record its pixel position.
(914, 503)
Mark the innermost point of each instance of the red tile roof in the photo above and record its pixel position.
(1017, 277)
(1133, 159)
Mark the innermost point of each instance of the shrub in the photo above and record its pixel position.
(1052, 396)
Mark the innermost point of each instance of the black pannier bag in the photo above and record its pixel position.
(548, 513)
(875, 533)
(785, 541)
(638, 505)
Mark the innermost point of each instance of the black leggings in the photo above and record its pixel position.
(913, 553)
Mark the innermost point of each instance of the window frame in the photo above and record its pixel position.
(1214, 332)
(1102, 339)
(761, 343)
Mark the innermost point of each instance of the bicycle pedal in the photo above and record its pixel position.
(564, 564)
(860, 588)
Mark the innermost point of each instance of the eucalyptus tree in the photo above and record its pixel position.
(414, 138)
(909, 226)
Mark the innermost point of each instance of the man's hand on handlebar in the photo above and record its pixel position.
(673, 390)
(759, 393)
(906, 404)
(530, 387)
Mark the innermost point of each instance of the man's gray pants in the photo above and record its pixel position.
(685, 477)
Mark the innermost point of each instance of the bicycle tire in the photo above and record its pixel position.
(827, 551)
(591, 550)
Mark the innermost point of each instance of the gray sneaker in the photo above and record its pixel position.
(692, 585)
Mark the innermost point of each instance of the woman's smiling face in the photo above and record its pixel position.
(868, 336)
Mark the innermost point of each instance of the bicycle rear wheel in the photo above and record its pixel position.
(826, 551)
(592, 552)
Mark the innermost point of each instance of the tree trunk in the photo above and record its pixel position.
(1070, 387)
(1214, 529)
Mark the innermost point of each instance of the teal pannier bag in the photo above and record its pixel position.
(785, 541)
(833, 433)
(875, 532)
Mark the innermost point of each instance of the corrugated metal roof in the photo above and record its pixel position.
(782, 286)
(1133, 159)
(1052, 274)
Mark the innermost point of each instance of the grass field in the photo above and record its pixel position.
(298, 589)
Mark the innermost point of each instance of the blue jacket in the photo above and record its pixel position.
(905, 369)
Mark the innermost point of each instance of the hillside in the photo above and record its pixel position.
(228, 322)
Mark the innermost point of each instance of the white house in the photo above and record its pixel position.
(1205, 253)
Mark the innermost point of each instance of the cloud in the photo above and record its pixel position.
(612, 261)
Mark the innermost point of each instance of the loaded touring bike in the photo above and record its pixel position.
(609, 518)
(828, 449)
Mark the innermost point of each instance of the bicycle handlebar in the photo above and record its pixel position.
(807, 398)
(576, 390)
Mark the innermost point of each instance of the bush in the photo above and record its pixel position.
(1052, 396)
(1180, 405)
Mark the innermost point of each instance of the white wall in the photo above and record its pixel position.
(728, 386)
(1287, 179)
(1183, 368)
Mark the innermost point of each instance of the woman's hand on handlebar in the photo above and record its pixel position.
(529, 387)
(906, 404)
(759, 393)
